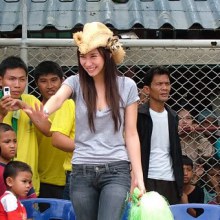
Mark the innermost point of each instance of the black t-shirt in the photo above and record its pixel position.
(197, 196)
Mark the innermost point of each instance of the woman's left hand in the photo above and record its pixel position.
(140, 185)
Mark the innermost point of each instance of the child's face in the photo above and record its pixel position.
(21, 184)
(16, 79)
(8, 145)
(185, 119)
(188, 173)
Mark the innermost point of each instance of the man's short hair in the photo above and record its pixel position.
(156, 70)
(47, 67)
(187, 161)
(12, 62)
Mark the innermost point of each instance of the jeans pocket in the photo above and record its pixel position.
(75, 172)
(121, 169)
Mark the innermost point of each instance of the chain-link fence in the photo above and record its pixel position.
(195, 95)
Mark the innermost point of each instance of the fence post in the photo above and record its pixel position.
(24, 50)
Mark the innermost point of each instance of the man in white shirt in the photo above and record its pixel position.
(158, 133)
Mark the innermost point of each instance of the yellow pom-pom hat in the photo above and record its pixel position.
(96, 34)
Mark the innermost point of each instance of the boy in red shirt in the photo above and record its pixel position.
(18, 179)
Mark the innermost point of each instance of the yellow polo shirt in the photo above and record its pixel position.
(27, 145)
(50, 161)
(64, 122)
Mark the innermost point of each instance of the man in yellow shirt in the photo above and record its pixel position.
(63, 133)
(13, 73)
(48, 78)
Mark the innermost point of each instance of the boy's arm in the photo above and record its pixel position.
(184, 200)
(63, 127)
(62, 141)
(9, 104)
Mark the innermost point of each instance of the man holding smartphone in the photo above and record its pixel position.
(14, 111)
(6, 91)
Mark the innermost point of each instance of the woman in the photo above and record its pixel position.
(106, 138)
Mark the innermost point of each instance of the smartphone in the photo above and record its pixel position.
(6, 90)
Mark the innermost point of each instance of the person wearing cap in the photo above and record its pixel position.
(106, 138)
(209, 121)
(206, 116)
(193, 143)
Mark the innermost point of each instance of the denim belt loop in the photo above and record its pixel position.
(84, 170)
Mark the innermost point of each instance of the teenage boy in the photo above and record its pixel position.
(17, 177)
(48, 77)
(13, 73)
(191, 193)
(63, 133)
(158, 132)
(8, 148)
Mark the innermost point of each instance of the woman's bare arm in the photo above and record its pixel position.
(133, 146)
(57, 100)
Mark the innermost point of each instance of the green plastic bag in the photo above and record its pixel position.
(151, 206)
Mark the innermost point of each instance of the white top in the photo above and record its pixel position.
(160, 166)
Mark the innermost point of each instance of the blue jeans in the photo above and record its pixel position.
(98, 192)
(66, 191)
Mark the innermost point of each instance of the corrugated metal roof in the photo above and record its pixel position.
(151, 14)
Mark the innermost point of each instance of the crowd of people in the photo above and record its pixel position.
(89, 140)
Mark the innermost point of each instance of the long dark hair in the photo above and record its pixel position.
(112, 95)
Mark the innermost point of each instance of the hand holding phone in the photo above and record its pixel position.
(6, 90)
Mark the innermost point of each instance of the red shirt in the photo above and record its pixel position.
(2, 184)
(11, 208)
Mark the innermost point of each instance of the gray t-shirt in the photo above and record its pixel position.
(105, 145)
